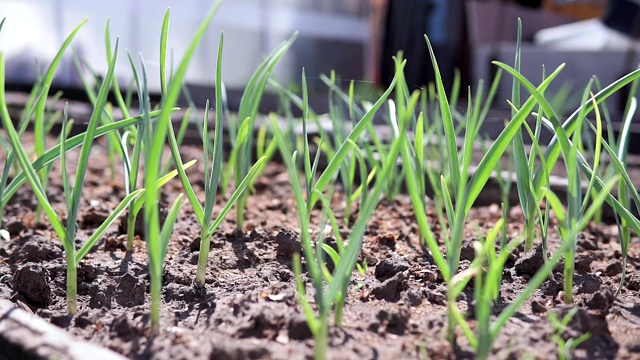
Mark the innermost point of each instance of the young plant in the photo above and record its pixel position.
(241, 131)
(334, 296)
(131, 163)
(626, 190)
(204, 213)
(465, 190)
(486, 271)
(625, 193)
(155, 236)
(565, 347)
(73, 195)
(523, 164)
(39, 128)
(561, 143)
(457, 207)
(554, 149)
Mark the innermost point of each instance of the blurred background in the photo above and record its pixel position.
(356, 38)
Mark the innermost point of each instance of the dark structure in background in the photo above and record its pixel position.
(530, 3)
(624, 16)
(406, 23)
(444, 21)
(468, 35)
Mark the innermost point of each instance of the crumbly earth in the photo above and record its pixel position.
(249, 308)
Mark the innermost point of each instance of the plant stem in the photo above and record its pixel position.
(72, 276)
(240, 206)
(339, 310)
(529, 232)
(568, 274)
(322, 339)
(156, 285)
(451, 322)
(203, 255)
(131, 228)
(347, 210)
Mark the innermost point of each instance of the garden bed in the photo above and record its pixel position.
(366, 287)
(249, 308)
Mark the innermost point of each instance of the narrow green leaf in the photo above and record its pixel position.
(97, 234)
(48, 79)
(23, 159)
(169, 222)
(214, 177)
(334, 164)
(253, 172)
(85, 150)
(154, 151)
(447, 120)
(312, 322)
(139, 203)
(71, 143)
(184, 179)
(116, 87)
(164, 36)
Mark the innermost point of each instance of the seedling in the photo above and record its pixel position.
(155, 236)
(66, 233)
(565, 347)
(241, 131)
(333, 296)
(204, 214)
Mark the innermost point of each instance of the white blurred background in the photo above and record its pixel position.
(333, 34)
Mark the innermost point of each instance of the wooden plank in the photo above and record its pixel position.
(24, 336)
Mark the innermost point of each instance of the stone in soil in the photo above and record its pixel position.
(601, 300)
(530, 262)
(288, 244)
(391, 288)
(130, 291)
(35, 248)
(587, 283)
(387, 268)
(299, 328)
(538, 308)
(33, 284)
(600, 341)
(613, 268)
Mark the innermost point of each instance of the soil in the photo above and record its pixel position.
(249, 308)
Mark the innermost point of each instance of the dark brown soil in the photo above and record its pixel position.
(249, 307)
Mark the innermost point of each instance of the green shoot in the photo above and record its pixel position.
(338, 281)
(204, 213)
(70, 144)
(486, 270)
(625, 193)
(565, 347)
(247, 113)
(563, 131)
(131, 163)
(66, 233)
(39, 124)
(154, 144)
(465, 190)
